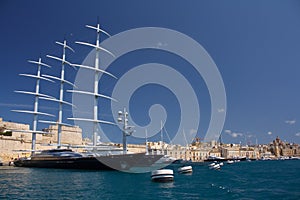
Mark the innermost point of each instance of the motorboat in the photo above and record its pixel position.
(185, 169)
(294, 158)
(214, 158)
(215, 166)
(230, 161)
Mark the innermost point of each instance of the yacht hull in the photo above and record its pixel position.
(122, 162)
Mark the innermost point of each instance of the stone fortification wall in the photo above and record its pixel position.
(70, 135)
(14, 145)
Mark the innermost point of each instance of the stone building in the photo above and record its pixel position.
(14, 144)
(265, 151)
(70, 135)
(215, 152)
(230, 151)
(199, 153)
(283, 149)
(238, 151)
(249, 152)
(196, 152)
(178, 152)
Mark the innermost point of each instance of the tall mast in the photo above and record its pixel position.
(61, 91)
(147, 150)
(96, 82)
(161, 137)
(37, 95)
(97, 71)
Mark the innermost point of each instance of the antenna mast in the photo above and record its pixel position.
(127, 130)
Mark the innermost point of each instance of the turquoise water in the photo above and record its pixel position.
(243, 180)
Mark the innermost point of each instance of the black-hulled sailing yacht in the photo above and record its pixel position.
(101, 157)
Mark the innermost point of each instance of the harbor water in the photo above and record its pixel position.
(243, 180)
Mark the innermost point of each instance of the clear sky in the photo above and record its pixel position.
(255, 45)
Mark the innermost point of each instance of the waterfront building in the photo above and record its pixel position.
(157, 148)
(230, 151)
(14, 144)
(179, 152)
(283, 149)
(71, 135)
(238, 151)
(249, 152)
(215, 152)
(195, 152)
(264, 151)
(11, 140)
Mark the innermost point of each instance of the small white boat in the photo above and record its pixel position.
(162, 175)
(185, 169)
(230, 161)
(294, 158)
(215, 166)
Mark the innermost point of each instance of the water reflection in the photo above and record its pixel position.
(166, 185)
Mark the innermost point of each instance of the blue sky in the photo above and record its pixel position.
(255, 45)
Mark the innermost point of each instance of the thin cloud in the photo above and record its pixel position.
(290, 122)
(297, 134)
(233, 134)
(236, 134)
(269, 133)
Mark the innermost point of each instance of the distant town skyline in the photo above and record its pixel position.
(254, 44)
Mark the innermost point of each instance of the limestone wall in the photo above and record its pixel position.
(19, 143)
(12, 126)
(9, 149)
(70, 135)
